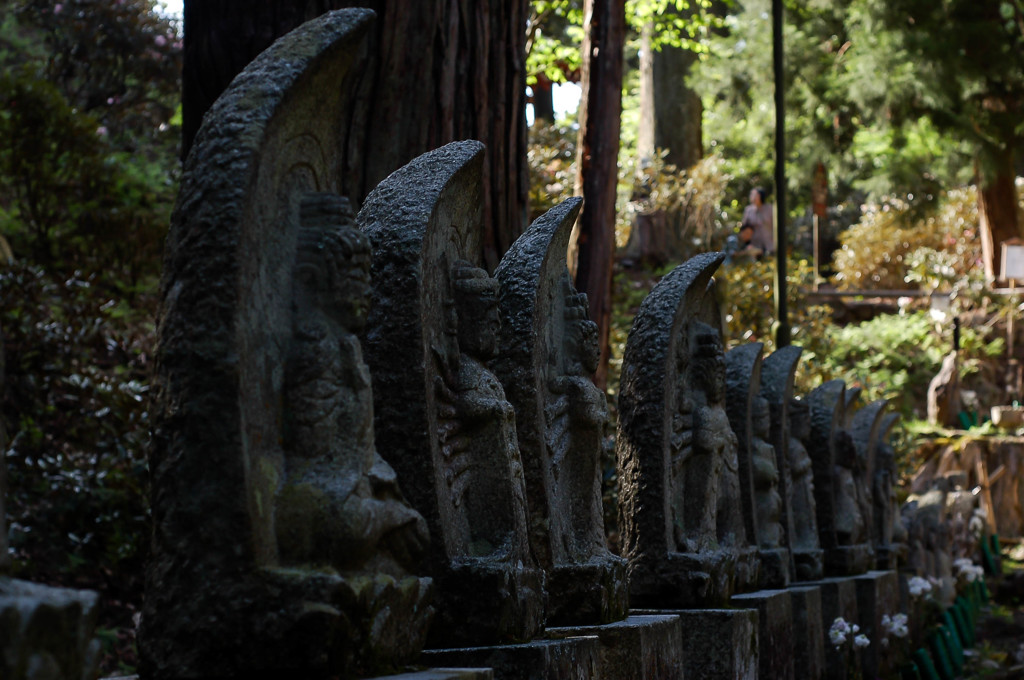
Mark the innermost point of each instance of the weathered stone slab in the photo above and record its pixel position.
(760, 472)
(878, 595)
(839, 477)
(441, 414)
(444, 674)
(548, 352)
(680, 507)
(790, 427)
(775, 636)
(890, 535)
(640, 648)
(47, 632)
(720, 644)
(838, 599)
(576, 658)
(281, 540)
(808, 632)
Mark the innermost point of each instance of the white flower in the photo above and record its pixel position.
(836, 638)
(918, 586)
(861, 641)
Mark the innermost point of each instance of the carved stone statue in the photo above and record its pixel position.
(759, 471)
(281, 540)
(890, 534)
(339, 505)
(476, 424)
(805, 543)
(443, 420)
(842, 528)
(680, 502)
(549, 351)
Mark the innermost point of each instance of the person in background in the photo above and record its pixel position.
(758, 226)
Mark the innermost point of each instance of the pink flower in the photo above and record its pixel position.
(160, 40)
(58, 8)
(102, 131)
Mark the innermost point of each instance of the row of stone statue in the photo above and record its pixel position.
(364, 443)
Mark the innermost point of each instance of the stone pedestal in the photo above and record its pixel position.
(639, 648)
(719, 644)
(849, 560)
(775, 631)
(46, 632)
(838, 598)
(810, 564)
(577, 658)
(444, 674)
(774, 568)
(808, 633)
(878, 594)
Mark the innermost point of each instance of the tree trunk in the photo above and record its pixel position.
(598, 149)
(997, 210)
(543, 101)
(439, 71)
(670, 120)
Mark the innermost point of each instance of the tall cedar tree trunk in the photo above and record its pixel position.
(997, 211)
(593, 247)
(439, 71)
(543, 101)
(670, 119)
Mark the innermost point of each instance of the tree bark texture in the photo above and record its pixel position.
(438, 71)
(597, 160)
(543, 101)
(670, 120)
(997, 212)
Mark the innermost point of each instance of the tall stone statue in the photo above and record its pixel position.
(841, 523)
(680, 503)
(866, 430)
(443, 420)
(750, 418)
(281, 541)
(807, 553)
(549, 351)
(339, 505)
(890, 535)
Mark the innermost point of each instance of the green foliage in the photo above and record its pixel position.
(687, 200)
(893, 246)
(551, 158)
(76, 405)
(87, 95)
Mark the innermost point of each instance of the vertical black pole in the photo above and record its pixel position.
(781, 311)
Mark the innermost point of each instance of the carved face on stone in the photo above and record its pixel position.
(583, 341)
(799, 419)
(333, 261)
(708, 363)
(762, 421)
(476, 304)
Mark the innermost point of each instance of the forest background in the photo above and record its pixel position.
(914, 108)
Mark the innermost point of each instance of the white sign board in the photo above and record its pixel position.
(1012, 266)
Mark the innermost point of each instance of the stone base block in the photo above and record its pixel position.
(47, 632)
(444, 674)
(719, 644)
(808, 632)
(849, 560)
(810, 564)
(774, 568)
(684, 580)
(483, 604)
(576, 658)
(639, 648)
(774, 631)
(890, 556)
(878, 594)
(588, 594)
(838, 599)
